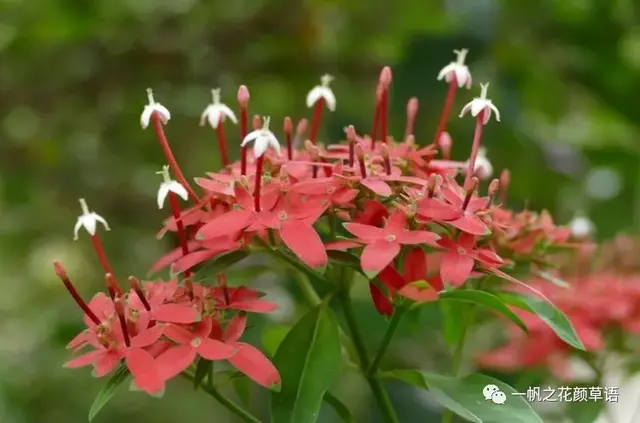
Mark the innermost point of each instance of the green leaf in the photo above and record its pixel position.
(452, 328)
(338, 406)
(221, 263)
(584, 411)
(485, 299)
(549, 314)
(272, 337)
(108, 391)
(309, 361)
(346, 259)
(203, 368)
(242, 388)
(547, 276)
(464, 396)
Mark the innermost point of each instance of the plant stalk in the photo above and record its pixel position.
(386, 340)
(384, 403)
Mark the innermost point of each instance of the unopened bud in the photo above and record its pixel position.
(312, 149)
(243, 96)
(359, 151)
(350, 131)
(302, 127)
(472, 185)
(60, 270)
(288, 126)
(410, 139)
(256, 122)
(384, 150)
(494, 186)
(445, 143)
(385, 77)
(433, 184)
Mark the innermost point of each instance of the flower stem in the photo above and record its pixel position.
(317, 117)
(166, 149)
(243, 134)
(222, 144)
(226, 402)
(467, 322)
(258, 183)
(104, 261)
(182, 234)
(386, 340)
(446, 111)
(379, 393)
(477, 134)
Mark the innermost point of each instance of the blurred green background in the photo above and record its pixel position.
(565, 75)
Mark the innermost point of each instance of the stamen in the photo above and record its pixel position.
(243, 100)
(360, 155)
(386, 159)
(288, 135)
(472, 187)
(137, 288)
(351, 138)
(412, 111)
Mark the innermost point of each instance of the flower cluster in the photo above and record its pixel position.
(600, 294)
(382, 204)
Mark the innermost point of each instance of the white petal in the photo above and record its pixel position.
(77, 228)
(214, 116)
(477, 106)
(469, 80)
(314, 95)
(163, 112)
(444, 73)
(146, 116)
(486, 116)
(251, 136)
(273, 142)
(496, 111)
(260, 146)
(89, 223)
(465, 109)
(177, 188)
(204, 116)
(225, 110)
(100, 219)
(461, 75)
(329, 98)
(162, 194)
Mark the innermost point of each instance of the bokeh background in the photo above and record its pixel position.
(565, 75)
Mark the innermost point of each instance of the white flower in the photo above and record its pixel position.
(263, 138)
(169, 185)
(152, 107)
(482, 168)
(217, 110)
(322, 91)
(481, 104)
(581, 226)
(457, 70)
(89, 220)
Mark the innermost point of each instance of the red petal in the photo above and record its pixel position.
(172, 256)
(212, 349)
(367, 233)
(235, 328)
(250, 361)
(147, 337)
(419, 294)
(193, 259)
(378, 186)
(144, 370)
(396, 222)
(178, 334)
(430, 208)
(378, 255)
(341, 245)
(417, 237)
(107, 363)
(227, 224)
(380, 301)
(176, 313)
(373, 213)
(255, 306)
(471, 224)
(344, 196)
(415, 265)
(175, 360)
(85, 359)
(305, 243)
(455, 268)
(391, 279)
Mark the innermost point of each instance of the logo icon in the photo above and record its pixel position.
(494, 394)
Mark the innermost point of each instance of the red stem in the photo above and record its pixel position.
(104, 261)
(222, 144)
(317, 117)
(446, 110)
(383, 115)
(289, 138)
(62, 274)
(376, 119)
(352, 145)
(182, 234)
(474, 148)
(243, 134)
(162, 139)
(256, 190)
(363, 167)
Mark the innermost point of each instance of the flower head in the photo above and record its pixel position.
(88, 220)
(322, 91)
(482, 168)
(217, 111)
(581, 226)
(168, 185)
(152, 108)
(263, 138)
(481, 104)
(457, 70)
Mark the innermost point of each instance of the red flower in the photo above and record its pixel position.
(383, 244)
(457, 263)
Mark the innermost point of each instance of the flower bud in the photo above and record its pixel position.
(243, 96)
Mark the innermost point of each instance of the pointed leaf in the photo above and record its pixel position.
(309, 361)
(108, 391)
(203, 368)
(272, 337)
(549, 314)
(242, 388)
(465, 397)
(452, 328)
(487, 300)
(340, 409)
